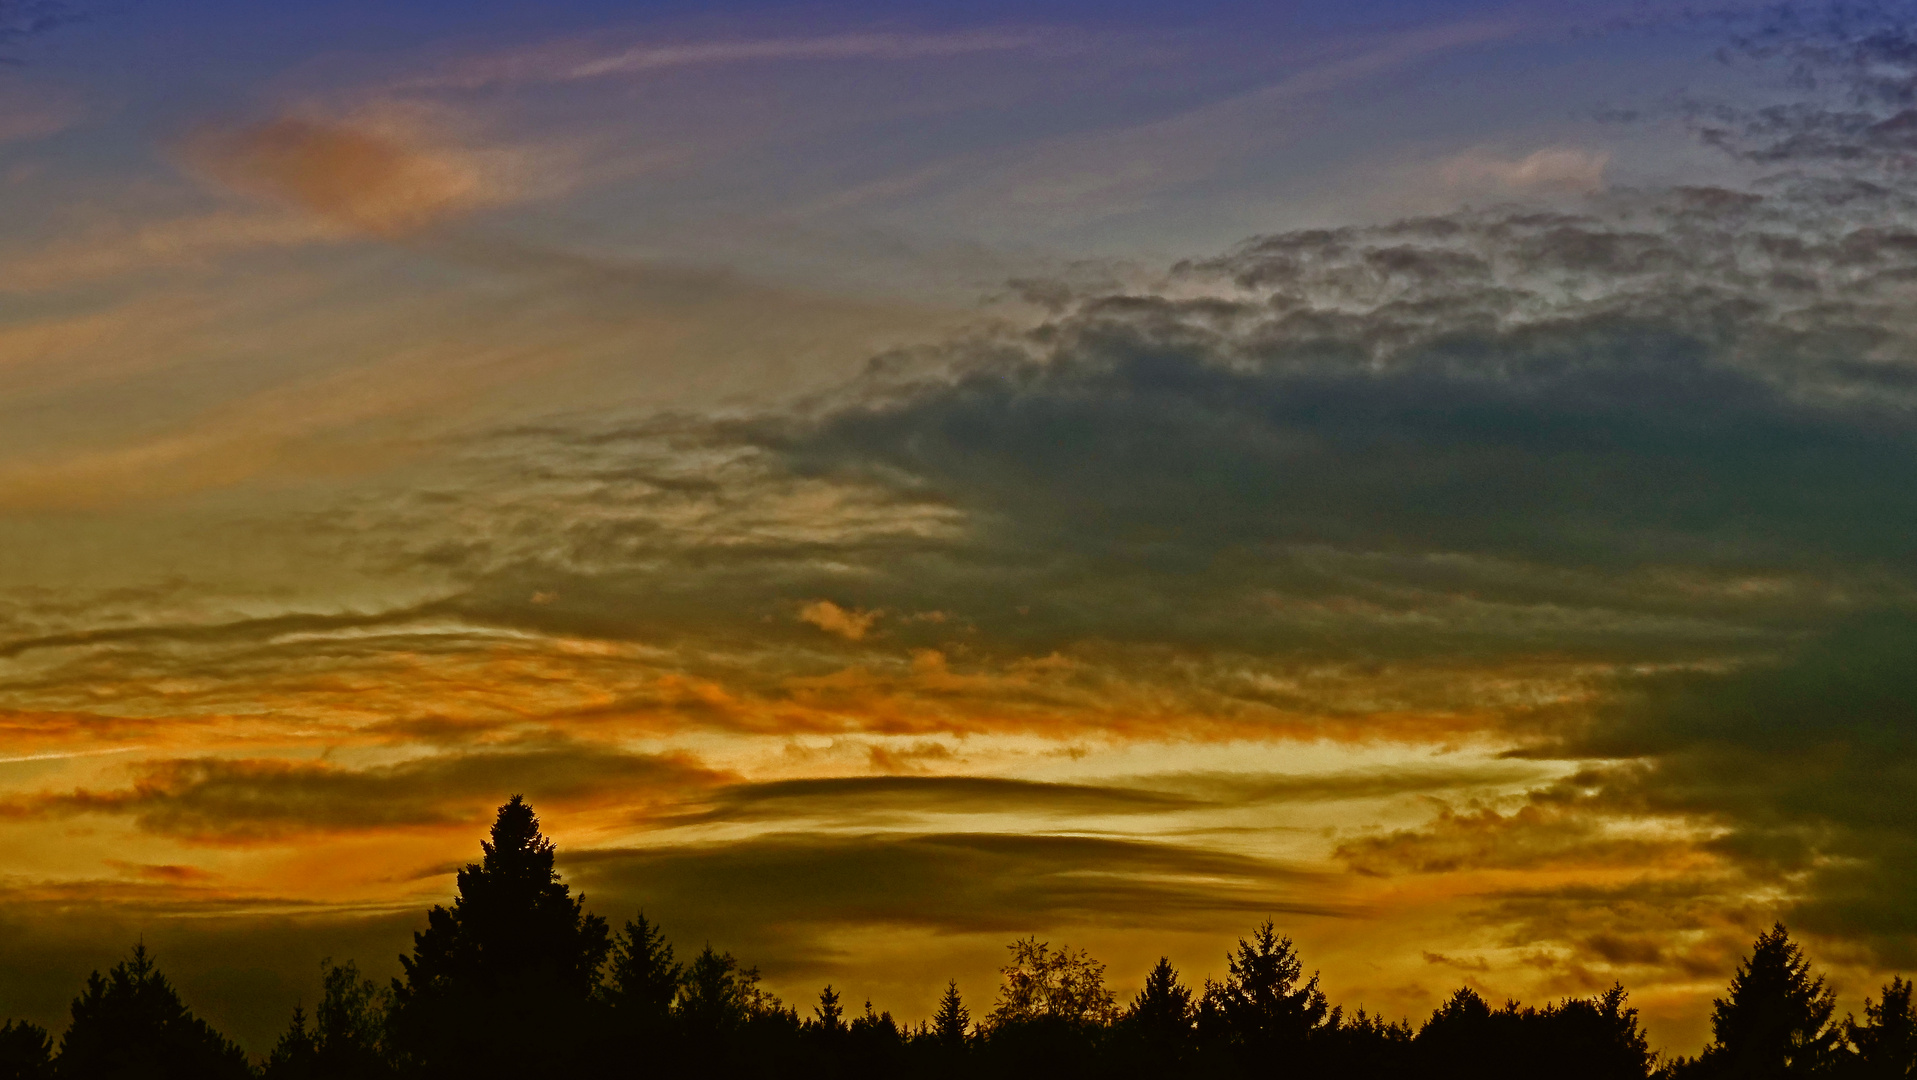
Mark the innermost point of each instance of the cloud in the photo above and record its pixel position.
(851, 625)
(1848, 77)
(1531, 837)
(179, 242)
(576, 62)
(1805, 762)
(863, 798)
(383, 182)
(970, 882)
(1554, 169)
(225, 800)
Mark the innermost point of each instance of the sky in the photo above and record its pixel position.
(887, 479)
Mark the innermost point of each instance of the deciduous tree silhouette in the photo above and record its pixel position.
(26, 1051)
(348, 1037)
(1885, 1044)
(719, 995)
(1064, 985)
(131, 1025)
(501, 979)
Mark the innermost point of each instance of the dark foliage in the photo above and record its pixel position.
(348, 1037)
(131, 1025)
(26, 1052)
(1886, 1042)
(517, 979)
(1775, 1024)
(516, 952)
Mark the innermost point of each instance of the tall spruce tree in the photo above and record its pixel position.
(1265, 1008)
(501, 980)
(642, 980)
(953, 1020)
(1776, 1021)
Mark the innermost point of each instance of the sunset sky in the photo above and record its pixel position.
(885, 479)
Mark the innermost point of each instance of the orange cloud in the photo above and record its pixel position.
(369, 180)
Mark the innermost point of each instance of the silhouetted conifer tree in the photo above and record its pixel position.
(1776, 1021)
(296, 1055)
(1886, 1042)
(1157, 1030)
(26, 1051)
(1164, 1004)
(831, 1015)
(1265, 1010)
(501, 980)
(1459, 1038)
(1597, 1038)
(1367, 1047)
(642, 980)
(953, 1020)
(132, 1025)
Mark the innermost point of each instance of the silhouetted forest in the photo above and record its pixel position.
(516, 978)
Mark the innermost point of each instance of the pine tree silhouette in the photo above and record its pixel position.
(829, 1012)
(296, 1055)
(642, 981)
(952, 1020)
(132, 1024)
(1262, 1007)
(501, 980)
(1157, 1028)
(1776, 1021)
(1164, 1005)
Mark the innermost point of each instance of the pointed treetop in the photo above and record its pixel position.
(517, 847)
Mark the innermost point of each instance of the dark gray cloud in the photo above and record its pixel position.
(1849, 75)
(225, 800)
(790, 889)
(1809, 762)
(1796, 773)
(846, 798)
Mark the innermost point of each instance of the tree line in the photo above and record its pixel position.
(517, 979)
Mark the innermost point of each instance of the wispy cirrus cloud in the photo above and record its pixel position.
(582, 61)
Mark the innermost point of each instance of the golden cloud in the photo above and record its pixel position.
(849, 623)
